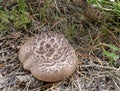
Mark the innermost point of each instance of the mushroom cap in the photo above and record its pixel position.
(48, 56)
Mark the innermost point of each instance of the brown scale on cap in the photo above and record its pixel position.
(49, 57)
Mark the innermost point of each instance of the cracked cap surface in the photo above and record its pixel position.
(48, 56)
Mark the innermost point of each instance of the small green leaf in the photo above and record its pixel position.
(104, 31)
(112, 47)
(112, 55)
(0, 0)
(21, 5)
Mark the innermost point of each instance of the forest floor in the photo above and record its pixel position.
(94, 33)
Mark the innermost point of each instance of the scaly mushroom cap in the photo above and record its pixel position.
(49, 57)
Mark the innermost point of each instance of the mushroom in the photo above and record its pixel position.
(48, 56)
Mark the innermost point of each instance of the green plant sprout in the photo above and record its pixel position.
(18, 16)
(111, 55)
